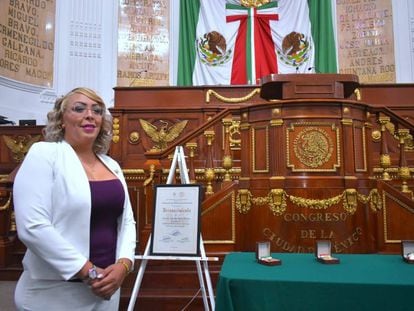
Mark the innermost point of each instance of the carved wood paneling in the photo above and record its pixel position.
(275, 188)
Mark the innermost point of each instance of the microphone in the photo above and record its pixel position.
(314, 68)
(141, 71)
(138, 72)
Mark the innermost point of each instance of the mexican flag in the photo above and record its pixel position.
(229, 42)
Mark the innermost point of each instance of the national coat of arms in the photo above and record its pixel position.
(212, 49)
(295, 49)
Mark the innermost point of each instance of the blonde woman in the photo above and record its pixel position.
(73, 212)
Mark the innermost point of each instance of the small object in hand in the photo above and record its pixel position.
(93, 273)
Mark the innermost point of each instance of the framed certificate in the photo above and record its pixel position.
(176, 222)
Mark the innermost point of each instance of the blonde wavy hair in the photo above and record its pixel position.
(54, 132)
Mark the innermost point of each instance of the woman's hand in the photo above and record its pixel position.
(110, 281)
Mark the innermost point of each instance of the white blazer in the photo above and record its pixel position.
(52, 203)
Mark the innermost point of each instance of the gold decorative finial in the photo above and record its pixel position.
(115, 130)
(357, 93)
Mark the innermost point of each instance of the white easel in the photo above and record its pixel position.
(180, 159)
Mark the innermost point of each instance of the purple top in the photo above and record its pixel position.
(107, 205)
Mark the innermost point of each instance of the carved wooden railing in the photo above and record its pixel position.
(211, 171)
(395, 132)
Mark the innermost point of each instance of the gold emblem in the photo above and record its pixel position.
(164, 134)
(313, 147)
(20, 145)
(253, 3)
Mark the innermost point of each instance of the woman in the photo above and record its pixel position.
(73, 212)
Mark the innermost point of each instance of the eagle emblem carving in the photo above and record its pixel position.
(163, 134)
(20, 145)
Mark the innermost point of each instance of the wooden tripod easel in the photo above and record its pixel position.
(204, 280)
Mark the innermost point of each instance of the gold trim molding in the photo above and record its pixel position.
(364, 151)
(386, 195)
(277, 201)
(231, 99)
(231, 195)
(253, 149)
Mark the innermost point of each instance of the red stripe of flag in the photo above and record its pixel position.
(265, 57)
(239, 70)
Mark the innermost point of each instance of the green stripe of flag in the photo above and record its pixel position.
(189, 12)
(320, 15)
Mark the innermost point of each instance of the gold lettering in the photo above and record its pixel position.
(24, 19)
(129, 74)
(29, 6)
(366, 46)
(21, 59)
(269, 234)
(315, 217)
(341, 246)
(325, 235)
(21, 48)
(25, 39)
(338, 246)
(316, 234)
(39, 74)
(9, 65)
(308, 234)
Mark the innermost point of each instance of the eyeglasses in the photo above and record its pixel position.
(80, 108)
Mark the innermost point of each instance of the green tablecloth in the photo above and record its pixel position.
(358, 282)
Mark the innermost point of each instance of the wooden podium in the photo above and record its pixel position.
(291, 86)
